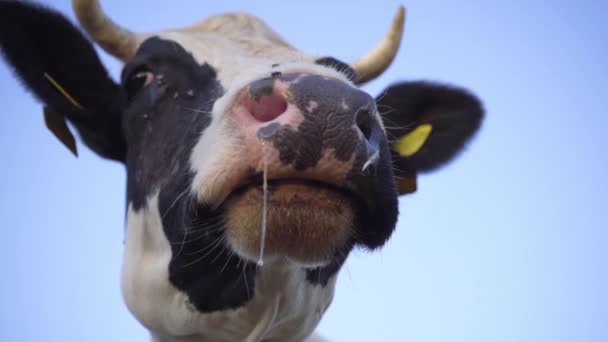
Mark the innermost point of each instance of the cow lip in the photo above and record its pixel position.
(308, 220)
(256, 181)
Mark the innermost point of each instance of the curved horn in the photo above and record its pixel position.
(378, 60)
(116, 40)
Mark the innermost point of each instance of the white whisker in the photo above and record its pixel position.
(175, 201)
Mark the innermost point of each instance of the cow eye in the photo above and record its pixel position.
(139, 78)
(338, 66)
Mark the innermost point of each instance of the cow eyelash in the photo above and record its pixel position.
(339, 66)
(137, 80)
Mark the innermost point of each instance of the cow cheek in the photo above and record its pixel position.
(305, 225)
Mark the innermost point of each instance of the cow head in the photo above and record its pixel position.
(224, 126)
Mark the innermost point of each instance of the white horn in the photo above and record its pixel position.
(113, 38)
(380, 58)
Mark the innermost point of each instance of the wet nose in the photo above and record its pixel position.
(316, 109)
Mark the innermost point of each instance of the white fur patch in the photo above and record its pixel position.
(285, 307)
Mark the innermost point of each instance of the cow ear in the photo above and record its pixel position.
(427, 125)
(57, 63)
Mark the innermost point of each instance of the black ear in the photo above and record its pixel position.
(61, 68)
(427, 124)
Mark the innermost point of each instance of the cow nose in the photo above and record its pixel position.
(316, 110)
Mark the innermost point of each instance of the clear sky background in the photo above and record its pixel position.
(508, 243)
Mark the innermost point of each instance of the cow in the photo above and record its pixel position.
(253, 169)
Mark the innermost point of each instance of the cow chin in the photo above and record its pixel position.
(306, 221)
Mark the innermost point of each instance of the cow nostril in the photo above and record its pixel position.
(268, 107)
(363, 121)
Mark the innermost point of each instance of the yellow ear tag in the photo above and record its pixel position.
(412, 142)
(62, 91)
(57, 125)
(406, 185)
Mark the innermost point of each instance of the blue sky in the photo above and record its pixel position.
(508, 243)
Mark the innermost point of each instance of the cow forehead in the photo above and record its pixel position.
(235, 43)
(230, 58)
(241, 27)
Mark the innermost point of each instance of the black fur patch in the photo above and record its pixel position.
(165, 119)
(162, 125)
(375, 222)
(201, 263)
(38, 41)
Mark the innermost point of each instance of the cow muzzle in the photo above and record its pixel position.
(318, 139)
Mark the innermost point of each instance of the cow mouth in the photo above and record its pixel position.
(307, 220)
